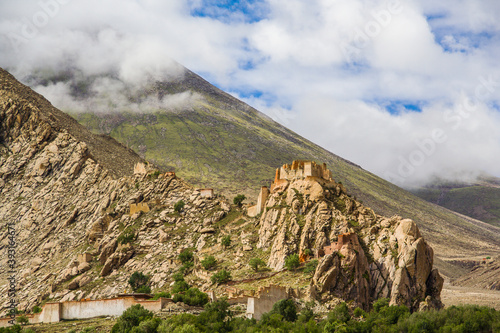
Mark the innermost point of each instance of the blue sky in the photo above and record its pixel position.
(368, 80)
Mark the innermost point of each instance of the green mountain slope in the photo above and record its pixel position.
(222, 143)
(479, 200)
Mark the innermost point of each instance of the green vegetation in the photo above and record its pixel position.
(133, 317)
(221, 277)
(163, 294)
(217, 317)
(139, 283)
(127, 236)
(226, 241)
(22, 320)
(37, 309)
(256, 263)
(209, 263)
(186, 256)
(481, 202)
(238, 200)
(180, 284)
(285, 308)
(179, 205)
(193, 297)
(310, 266)
(292, 262)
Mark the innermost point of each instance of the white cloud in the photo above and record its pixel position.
(325, 68)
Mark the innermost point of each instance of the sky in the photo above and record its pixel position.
(407, 89)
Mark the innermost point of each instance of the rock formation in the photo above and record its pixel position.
(362, 256)
(70, 192)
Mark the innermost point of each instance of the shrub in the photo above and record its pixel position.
(256, 263)
(226, 241)
(138, 280)
(179, 205)
(340, 313)
(238, 200)
(131, 318)
(311, 266)
(308, 252)
(163, 294)
(221, 277)
(23, 320)
(193, 297)
(144, 290)
(292, 262)
(209, 262)
(286, 308)
(127, 236)
(37, 309)
(147, 326)
(186, 267)
(180, 284)
(186, 256)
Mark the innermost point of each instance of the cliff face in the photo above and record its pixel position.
(362, 256)
(70, 192)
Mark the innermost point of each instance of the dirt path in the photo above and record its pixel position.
(454, 295)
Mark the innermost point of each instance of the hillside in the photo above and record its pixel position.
(222, 143)
(479, 199)
(81, 230)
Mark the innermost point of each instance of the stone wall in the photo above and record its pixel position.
(84, 309)
(261, 203)
(139, 207)
(268, 296)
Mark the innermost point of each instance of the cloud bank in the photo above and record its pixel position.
(409, 90)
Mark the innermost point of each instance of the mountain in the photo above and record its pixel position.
(479, 199)
(85, 222)
(220, 142)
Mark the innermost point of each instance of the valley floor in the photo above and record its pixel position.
(455, 295)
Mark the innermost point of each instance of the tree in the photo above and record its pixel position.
(131, 318)
(193, 297)
(186, 256)
(238, 200)
(209, 262)
(221, 277)
(286, 308)
(226, 241)
(179, 205)
(139, 282)
(292, 262)
(255, 263)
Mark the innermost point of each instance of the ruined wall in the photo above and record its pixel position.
(268, 296)
(140, 207)
(55, 312)
(261, 202)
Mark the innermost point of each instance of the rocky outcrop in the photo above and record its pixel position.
(362, 256)
(67, 196)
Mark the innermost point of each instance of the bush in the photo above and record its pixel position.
(209, 262)
(286, 308)
(226, 241)
(193, 297)
(37, 309)
(256, 263)
(138, 280)
(179, 205)
(186, 256)
(186, 268)
(127, 236)
(292, 262)
(144, 290)
(340, 313)
(238, 200)
(131, 318)
(23, 320)
(311, 266)
(147, 326)
(163, 294)
(221, 277)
